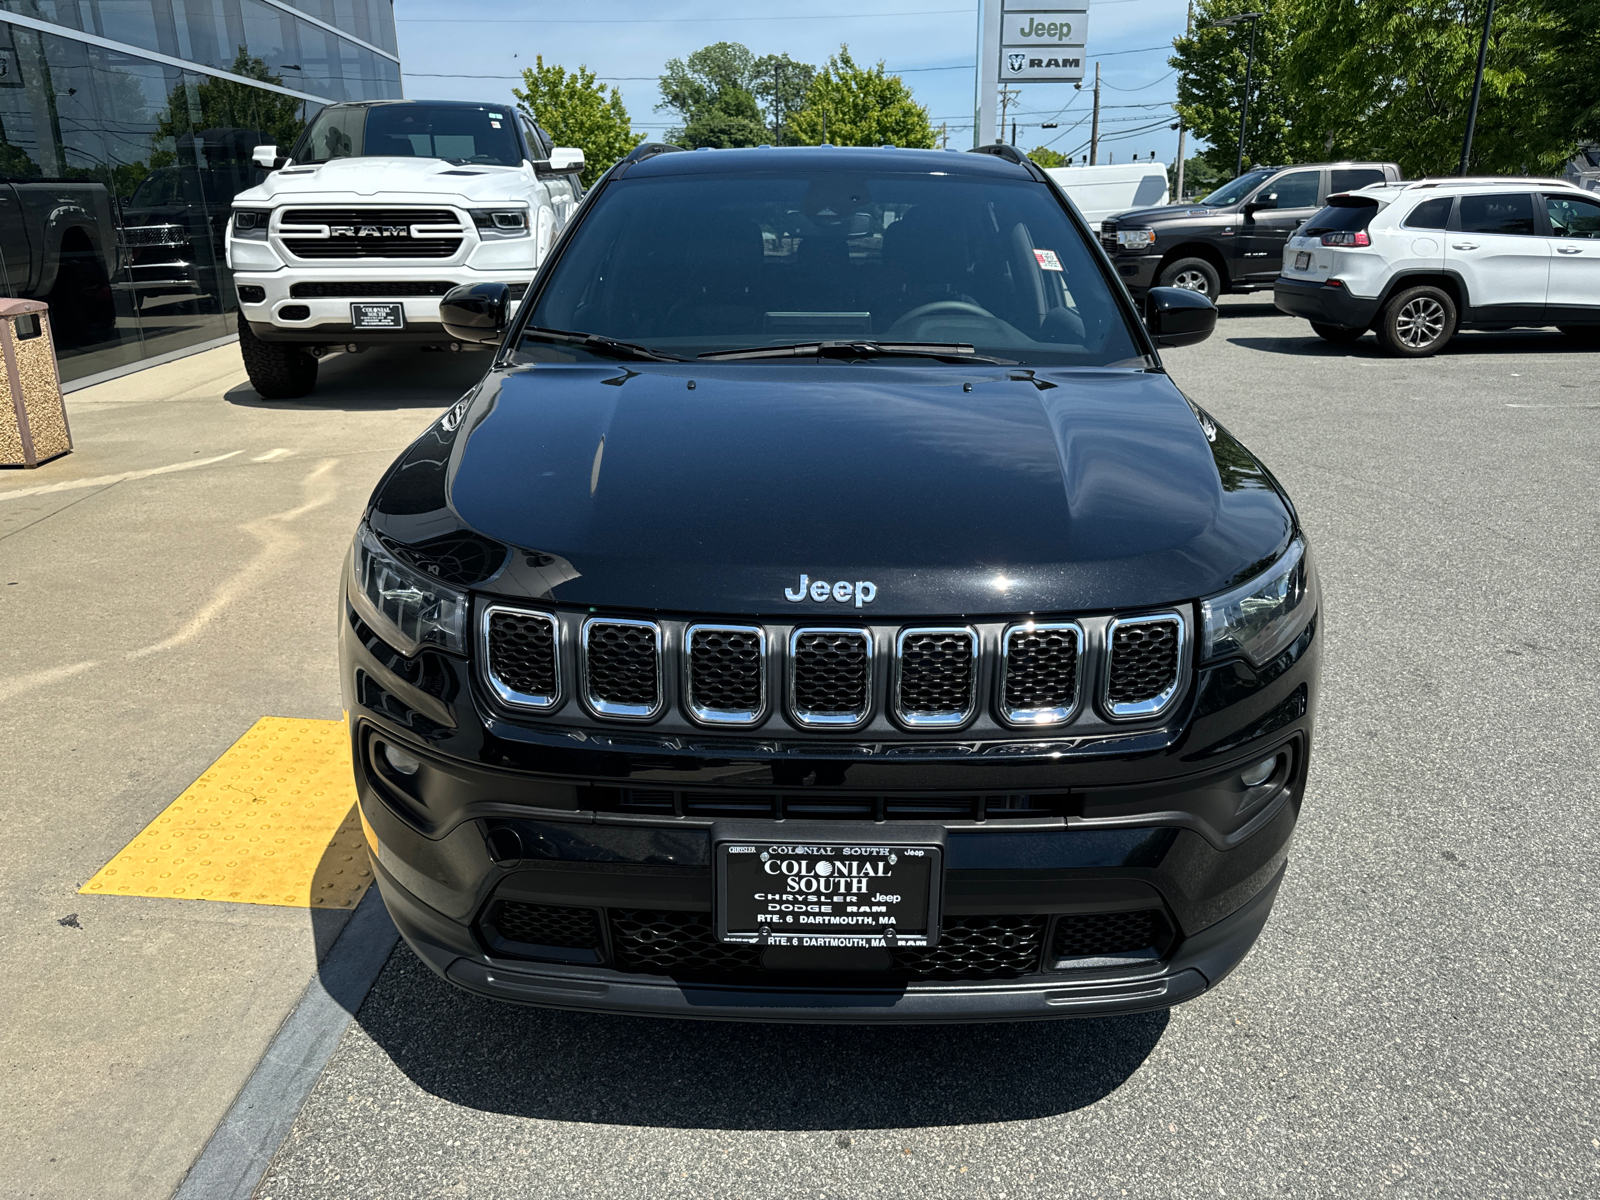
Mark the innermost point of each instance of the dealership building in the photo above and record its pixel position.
(126, 128)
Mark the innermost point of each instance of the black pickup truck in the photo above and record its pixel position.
(1231, 240)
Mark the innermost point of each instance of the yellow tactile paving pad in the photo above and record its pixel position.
(273, 821)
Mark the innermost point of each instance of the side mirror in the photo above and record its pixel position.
(1261, 202)
(1178, 317)
(475, 312)
(565, 159)
(266, 157)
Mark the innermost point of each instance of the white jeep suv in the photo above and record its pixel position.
(379, 210)
(1414, 262)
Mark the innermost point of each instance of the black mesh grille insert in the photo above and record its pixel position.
(522, 652)
(360, 247)
(979, 948)
(1041, 670)
(1144, 661)
(651, 940)
(1080, 935)
(725, 670)
(325, 291)
(832, 674)
(936, 674)
(545, 925)
(824, 805)
(622, 664)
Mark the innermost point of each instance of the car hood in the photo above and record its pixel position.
(714, 489)
(347, 178)
(1170, 212)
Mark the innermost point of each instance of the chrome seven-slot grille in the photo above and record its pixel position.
(936, 674)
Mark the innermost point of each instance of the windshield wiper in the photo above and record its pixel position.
(600, 345)
(960, 352)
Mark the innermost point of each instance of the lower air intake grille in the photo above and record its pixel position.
(545, 925)
(831, 682)
(979, 948)
(621, 662)
(937, 681)
(1084, 935)
(726, 673)
(1041, 672)
(335, 291)
(1144, 661)
(522, 656)
(651, 940)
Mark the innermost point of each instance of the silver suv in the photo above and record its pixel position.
(1414, 262)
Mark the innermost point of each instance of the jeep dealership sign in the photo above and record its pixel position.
(1042, 45)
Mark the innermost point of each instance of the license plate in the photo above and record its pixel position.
(378, 316)
(828, 894)
(1302, 261)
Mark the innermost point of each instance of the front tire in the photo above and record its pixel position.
(1417, 322)
(1192, 275)
(1335, 333)
(277, 370)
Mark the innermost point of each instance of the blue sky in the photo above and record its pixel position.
(462, 55)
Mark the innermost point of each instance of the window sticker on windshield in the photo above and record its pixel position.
(497, 116)
(494, 124)
(1048, 260)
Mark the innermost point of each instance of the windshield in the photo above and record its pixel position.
(460, 134)
(1232, 193)
(700, 264)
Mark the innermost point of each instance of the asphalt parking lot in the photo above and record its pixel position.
(1418, 1019)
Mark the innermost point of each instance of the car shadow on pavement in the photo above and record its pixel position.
(1248, 308)
(1309, 345)
(566, 1066)
(379, 380)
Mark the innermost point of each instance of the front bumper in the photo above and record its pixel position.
(327, 318)
(1137, 271)
(1316, 301)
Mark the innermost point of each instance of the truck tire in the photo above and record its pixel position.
(277, 370)
(1192, 275)
(1335, 333)
(1417, 322)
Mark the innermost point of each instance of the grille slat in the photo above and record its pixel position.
(1143, 673)
(622, 667)
(830, 676)
(1041, 672)
(937, 676)
(523, 657)
(833, 806)
(356, 245)
(727, 673)
(396, 288)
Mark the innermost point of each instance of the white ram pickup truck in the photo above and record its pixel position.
(378, 211)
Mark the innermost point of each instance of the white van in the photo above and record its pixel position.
(1105, 190)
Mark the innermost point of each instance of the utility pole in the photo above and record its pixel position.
(1188, 31)
(1094, 128)
(1008, 97)
(1013, 131)
(944, 135)
(1477, 88)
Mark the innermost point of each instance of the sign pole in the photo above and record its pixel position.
(988, 124)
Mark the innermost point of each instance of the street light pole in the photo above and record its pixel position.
(1477, 89)
(1244, 110)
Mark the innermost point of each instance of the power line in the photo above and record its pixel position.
(924, 12)
(649, 78)
(1143, 86)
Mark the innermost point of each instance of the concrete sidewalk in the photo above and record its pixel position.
(161, 588)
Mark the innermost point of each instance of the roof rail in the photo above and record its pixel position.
(646, 150)
(1480, 180)
(1001, 150)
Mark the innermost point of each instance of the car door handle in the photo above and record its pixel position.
(1569, 249)
(1463, 245)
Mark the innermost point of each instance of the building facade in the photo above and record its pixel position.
(126, 129)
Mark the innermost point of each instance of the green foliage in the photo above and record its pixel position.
(781, 85)
(848, 105)
(1047, 157)
(577, 111)
(1211, 70)
(222, 104)
(1202, 174)
(711, 92)
(1571, 28)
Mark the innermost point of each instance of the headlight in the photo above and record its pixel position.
(501, 222)
(251, 223)
(406, 608)
(1135, 239)
(1261, 617)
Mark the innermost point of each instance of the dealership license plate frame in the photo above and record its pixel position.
(921, 850)
(1302, 260)
(360, 313)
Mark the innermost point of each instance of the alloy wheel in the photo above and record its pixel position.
(1420, 323)
(1192, 281)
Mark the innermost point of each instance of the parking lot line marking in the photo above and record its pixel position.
(272, 455)
(273, 821)
(67, 485)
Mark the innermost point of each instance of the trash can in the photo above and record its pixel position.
(33, 417)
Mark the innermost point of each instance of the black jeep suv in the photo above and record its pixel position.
(828, 609)
(1233, 239)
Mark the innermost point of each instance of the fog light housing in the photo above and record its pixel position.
(405, 764)
(1257, 775)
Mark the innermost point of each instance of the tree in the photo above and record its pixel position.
(577, 111)
(781, 84)
(711, 92)
(1047, 157)
(1211, 70)
(849, 105)
(1572, 81)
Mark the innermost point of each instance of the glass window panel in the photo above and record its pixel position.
(1573, 216)
(1508, 213)
(1298, 189)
